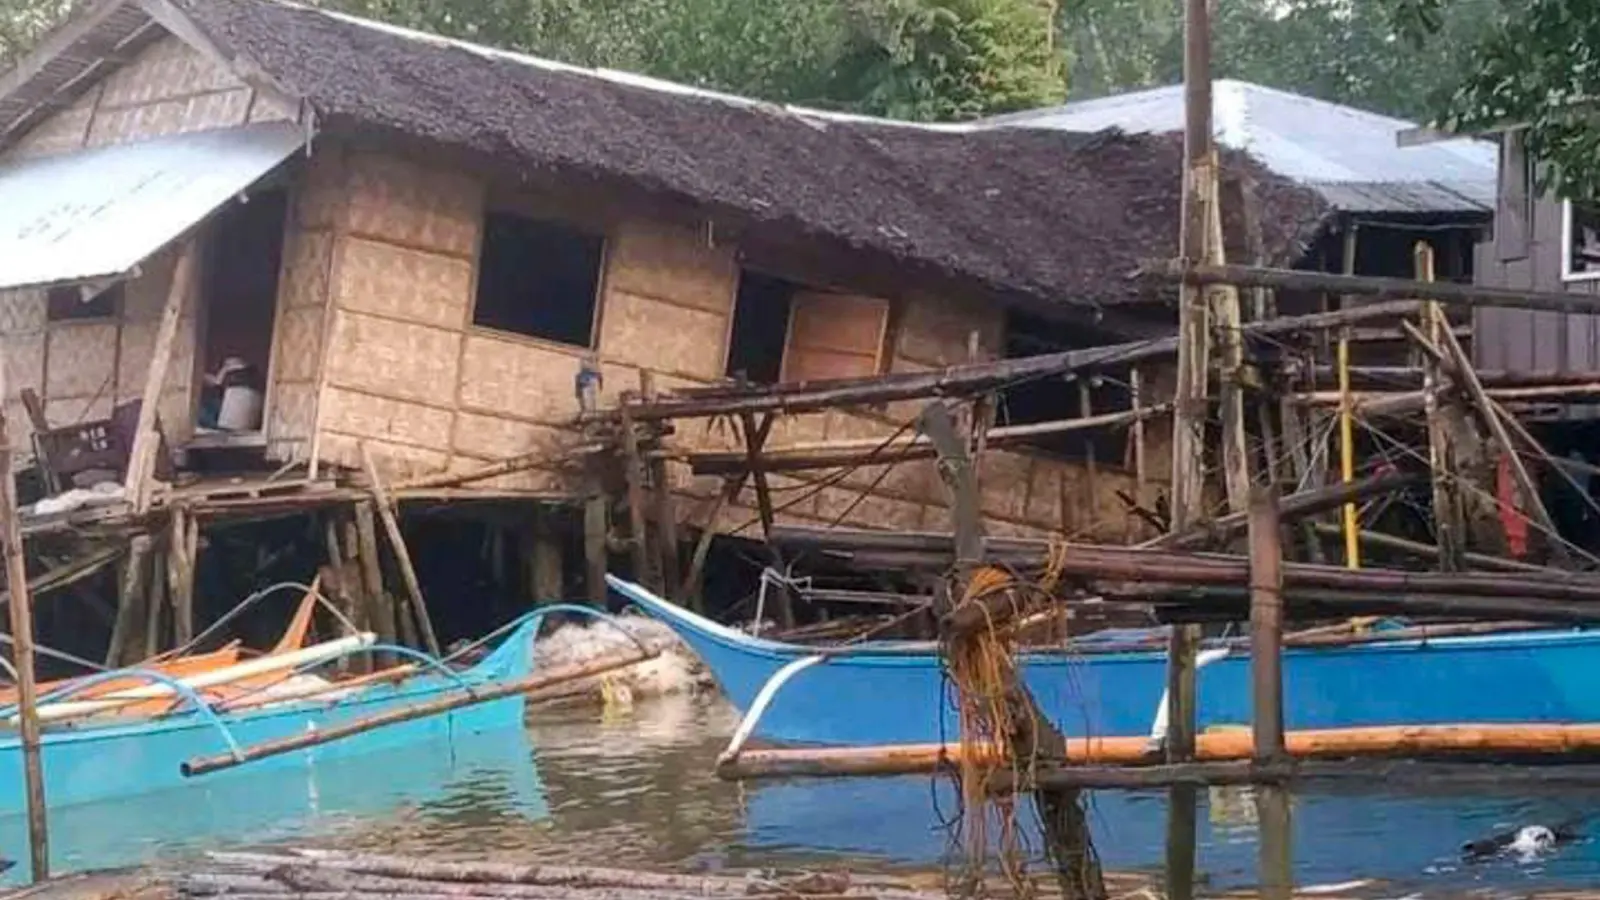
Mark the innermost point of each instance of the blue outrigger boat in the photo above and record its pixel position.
(96, 762)
(884, 692)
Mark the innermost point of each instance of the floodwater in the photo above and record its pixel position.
(636, 788)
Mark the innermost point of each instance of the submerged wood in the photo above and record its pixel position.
(549, 678)
(1217, 746)
(476, 874)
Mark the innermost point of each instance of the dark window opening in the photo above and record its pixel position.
(1582, 248)
(760, 327)
(538, 279)
(1061, 399)
(238, 298)
(69, 304)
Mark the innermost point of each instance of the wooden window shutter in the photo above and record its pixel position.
(834, 336)
(1514, 201)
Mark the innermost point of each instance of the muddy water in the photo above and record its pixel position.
(637, 789)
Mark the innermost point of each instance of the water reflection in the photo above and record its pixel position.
(639, 790)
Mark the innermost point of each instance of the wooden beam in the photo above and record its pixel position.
(180, 574)
(1478, 561)
(956, 381)
(147, 440)
(833, 454)
(1266, 676)
(1452, 293)
(397, 542)
(666, 516)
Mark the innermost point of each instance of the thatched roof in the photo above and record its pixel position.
(1034, 215)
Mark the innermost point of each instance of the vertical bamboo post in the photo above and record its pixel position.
(633, 472)
(595, 524)
(1448, 514)
(1091, 465)
(397, 542)
(1188, 432)
(156, 605)
(21, 615)
(1266, 672)
(1347, 439)
(146, 440)
(180, 573)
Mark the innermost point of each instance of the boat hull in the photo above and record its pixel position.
(101, 762)
(889, 694)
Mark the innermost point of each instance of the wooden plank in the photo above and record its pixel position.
(834, 336)
(147, 441)
(397, 542)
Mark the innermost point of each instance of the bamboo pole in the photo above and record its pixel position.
(1449, 525)
(1430, 552)
(666, 515)
(397, 542)
(201, 765)
(21, 616)
(125, 632)
(1266, 671)
(1347, 438)
(964, 380)
(1452, 293)
(1386, 741)
(147, 440)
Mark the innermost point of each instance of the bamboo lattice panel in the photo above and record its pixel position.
(392, 421)
(671, 263)
(400, 283)
(394, 359)
(663, 336)
(412, 205)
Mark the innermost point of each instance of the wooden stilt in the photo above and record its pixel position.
(596, 525)
(397, 543)
(754, 437)
(155, 606)
(545, 575)
(147, 440)
(694, 581)
(380, 610)
(665, 511)
(180, 572)
(21, 617)
(1266, 671)
(638, 527)
(127, 634)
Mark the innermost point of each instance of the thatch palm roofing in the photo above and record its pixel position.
(1049, 218)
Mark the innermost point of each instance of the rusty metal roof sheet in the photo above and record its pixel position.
(98, 213)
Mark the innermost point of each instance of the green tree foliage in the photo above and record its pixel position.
(23, 22)
(1536, 65)
(1345, 51)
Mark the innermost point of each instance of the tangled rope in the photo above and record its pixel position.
(991, 703)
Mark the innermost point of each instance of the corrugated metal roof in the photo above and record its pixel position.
(1351, 156)
(98, 213)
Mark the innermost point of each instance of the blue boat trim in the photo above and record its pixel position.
(892, 693)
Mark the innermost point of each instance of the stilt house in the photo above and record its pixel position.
(414, 249)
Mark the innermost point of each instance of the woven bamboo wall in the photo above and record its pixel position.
(377, 321)
(82, 369)
(169, 88)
